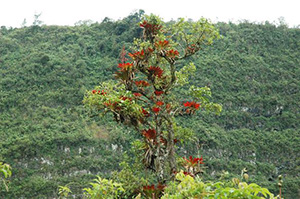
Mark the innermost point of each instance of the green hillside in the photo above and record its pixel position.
(50, 139)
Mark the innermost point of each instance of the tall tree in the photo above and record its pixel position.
(145, 96)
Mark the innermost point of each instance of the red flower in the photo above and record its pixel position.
(191, 104)
(146, 113)
(150, 28)
(149, 188)
(152, 187)
(156, 70)
(94, 91)
(158, 93)
(125, 66)
(196, 106)
(141, 83)
(155, 109)
(159, 103)
(161, 44)
(137, 94)
(172, 53)
(187, 104)
(193, 161)
(149, 134)
(137, 55)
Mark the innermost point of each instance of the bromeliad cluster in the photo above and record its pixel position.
(143, 96)
(191, 107)
(156, 71)
(150, 29)
(192, 104)
(141, 83)
(192, 162)
(172, 53)
(160, 45)
(152, 191)
(192, 165)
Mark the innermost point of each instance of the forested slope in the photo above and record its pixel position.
(50, 139)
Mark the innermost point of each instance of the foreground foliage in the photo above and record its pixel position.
(5, 173)
(186, 186)
(103, 188)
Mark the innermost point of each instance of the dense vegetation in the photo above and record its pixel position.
(49, 138)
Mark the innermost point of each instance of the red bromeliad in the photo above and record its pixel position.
(156, 71)
(172, 53)
(149, 187)
(150, 191)
(158, 93)
(149, 134)
(161, 44)
(125, 66)
(159, 103)
(155, 109)
(151, 29)
(137, 55)
(191, 104)
(141, 83)
(146, 113)
(187, 104)
(192, 162)
(141, 55)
